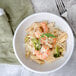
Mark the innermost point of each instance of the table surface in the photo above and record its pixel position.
(70, 68)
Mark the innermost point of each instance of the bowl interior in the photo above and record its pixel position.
(19, 47)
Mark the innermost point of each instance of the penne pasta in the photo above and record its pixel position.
(39, 61)
(45, 42)
(50, 59)
(62, 37)
(34, 57)
(27, 54)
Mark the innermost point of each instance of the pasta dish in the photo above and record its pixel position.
(44, 42)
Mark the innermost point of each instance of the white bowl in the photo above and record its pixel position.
(19, 48)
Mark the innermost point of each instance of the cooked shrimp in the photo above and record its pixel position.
(54, 42)
(38, 30)
(43, 54)
(43, 40)
(44, 27)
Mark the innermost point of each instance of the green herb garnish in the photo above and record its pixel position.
(48, 35)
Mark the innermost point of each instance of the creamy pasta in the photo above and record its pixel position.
(45, 42)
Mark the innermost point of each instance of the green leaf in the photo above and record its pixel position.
(36, 44)
(57, 53)
(48, 35)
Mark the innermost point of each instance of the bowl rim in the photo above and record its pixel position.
(28, 68)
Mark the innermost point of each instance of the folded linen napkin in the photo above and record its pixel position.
(6, 50)
(15, 11)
